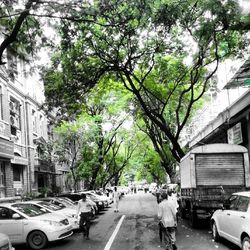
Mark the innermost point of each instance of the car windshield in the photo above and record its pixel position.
(65, 201)
(50, 206)
(30, 210)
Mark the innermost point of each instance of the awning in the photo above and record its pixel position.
(241, 78)
(45, 172)
(19, 160)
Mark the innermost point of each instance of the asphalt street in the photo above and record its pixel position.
(135, 227)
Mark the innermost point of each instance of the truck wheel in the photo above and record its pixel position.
(246, 243)
(215, 233)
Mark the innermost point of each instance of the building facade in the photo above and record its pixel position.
(23, 128)
(232, 124)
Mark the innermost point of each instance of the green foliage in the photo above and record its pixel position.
(118, 58)
(145, 46)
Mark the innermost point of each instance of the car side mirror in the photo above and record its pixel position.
(16, 216)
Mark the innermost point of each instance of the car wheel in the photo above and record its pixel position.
(37, 240)
(246, 243)
(215, 233)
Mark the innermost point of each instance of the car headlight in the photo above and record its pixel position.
(100, 203)
(53, 223)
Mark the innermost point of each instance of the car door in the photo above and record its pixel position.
(224, 218)
(12, 227)
(238, 217)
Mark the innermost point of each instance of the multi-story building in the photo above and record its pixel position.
(23, 128)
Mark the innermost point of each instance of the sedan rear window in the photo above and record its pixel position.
(30, 210)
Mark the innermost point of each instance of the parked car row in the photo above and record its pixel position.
(30, 223)
(39, 221)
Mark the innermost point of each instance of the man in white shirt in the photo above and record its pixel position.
(116, 197)
(173, 198)
(167, 216)
(84, 211)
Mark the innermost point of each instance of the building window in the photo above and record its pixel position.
(41, 125)
(2, 182)
(40, 151)
(15, 114)
(17, 173)
(34, 122)
(50, 131)
(12, 64)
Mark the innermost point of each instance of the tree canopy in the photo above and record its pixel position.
(164, 53)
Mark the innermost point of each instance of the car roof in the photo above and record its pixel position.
(31, 201)
(244, 193)
(7, 204)
(47, 198)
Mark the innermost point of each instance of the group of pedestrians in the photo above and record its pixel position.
(167, 214)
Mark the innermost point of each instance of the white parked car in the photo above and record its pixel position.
(31, 224)
(5, 243)
(69, 212)
(232, 222)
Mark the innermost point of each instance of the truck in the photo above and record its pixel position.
(209, 174)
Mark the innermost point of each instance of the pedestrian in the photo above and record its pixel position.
(173, 198)
(84, 211)
(168, 223)
(116, 197)
(157, 194)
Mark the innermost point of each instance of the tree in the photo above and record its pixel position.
(119, 156)
(68, 146)
(147, 162)
(24, 23)
(162, 147)
(22, 20)
(145, 46)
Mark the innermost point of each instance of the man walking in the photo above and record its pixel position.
(84, 211)
(116, 197)
(167, 216)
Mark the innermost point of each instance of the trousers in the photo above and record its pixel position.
(84, 223)
(167, 234)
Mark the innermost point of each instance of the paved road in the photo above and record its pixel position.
(138, 230)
